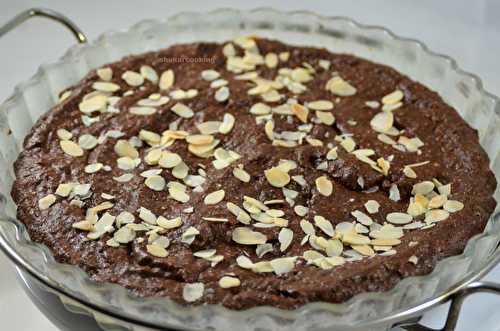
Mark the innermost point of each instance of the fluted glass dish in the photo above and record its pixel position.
(112, 305)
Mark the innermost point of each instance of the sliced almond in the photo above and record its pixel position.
(71, 148)
(324, 186)
(215, 197)
(47, 201)
(167, 79)
(276, 177)
(246, 236)
(399, 218)
(228, 282)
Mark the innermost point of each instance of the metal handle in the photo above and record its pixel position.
(47, 13)
(456, 304)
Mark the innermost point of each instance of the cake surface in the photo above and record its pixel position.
(252, 173)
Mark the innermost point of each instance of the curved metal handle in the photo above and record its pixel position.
(42, 12)
(456, 304)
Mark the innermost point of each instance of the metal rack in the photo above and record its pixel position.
(36, 285)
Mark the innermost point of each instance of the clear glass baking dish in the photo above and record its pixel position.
(114, 307)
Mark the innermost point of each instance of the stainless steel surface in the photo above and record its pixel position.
(457, 293)
(43, 12)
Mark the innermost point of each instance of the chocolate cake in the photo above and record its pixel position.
(252, 173)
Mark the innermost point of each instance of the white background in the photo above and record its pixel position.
(467, 30)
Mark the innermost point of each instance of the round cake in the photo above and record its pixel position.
(252, 173)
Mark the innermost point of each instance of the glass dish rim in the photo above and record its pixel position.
(20, 231)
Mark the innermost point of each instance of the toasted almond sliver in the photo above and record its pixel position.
(260, 109)
(283, 265)
(324, 224)
(324, 186)
(393, 97)
(228, 282)
(453, 206)
(71, 148)
(215, 197)
(276, 177)
(325, 117)
(209, 75)
(246, 236)
(301, 112)
(271, 60)
(167, 79)
(399, 218)
(47, 201)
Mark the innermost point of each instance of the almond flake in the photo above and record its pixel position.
(324, 186)
(325, 117)
(276, 177)
(47, 201)
(324, 224)
(156, 183)
(178, 194)
(169, 223)
(241, 174)
(227, 123)
(320, 105)
(71, 148)
(105, 87)
(300, 111)
(182, 110)
(200, 139)
(362, 217)
(93, 168)
(167, 79)
(142, 111)
(222, 94)
(246, 236)
(125, 148)
(398, 218)
(157, 250)
(271, 60)
(193, 291)
(285, 238)
(340, 87)
(169, 160)
(124, 235)
(382, 122)
(453, 206)
(372, 206)
(180, 171)
(393, 98)
(209, 75)
(64, 134)
(437, 201)
(283, 265)
(149, 73)
(214, 197)
(64, 190)
(260, 109)
(95, 103)
(423, 188)
(228, 282)
(133, 78)
(105, 74)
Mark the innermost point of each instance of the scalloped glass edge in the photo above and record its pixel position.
(460, 89)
